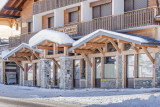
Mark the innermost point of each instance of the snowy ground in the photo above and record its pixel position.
(86, 97)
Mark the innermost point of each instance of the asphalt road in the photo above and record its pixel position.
(10, 102)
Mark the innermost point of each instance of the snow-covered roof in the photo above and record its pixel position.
(141, 40)
(50, 35)
(23, 45)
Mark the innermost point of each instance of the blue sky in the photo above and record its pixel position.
(2, 3)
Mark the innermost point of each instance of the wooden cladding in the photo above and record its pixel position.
(100, 2)
(72, 15)
(128, 20)
(47, 5)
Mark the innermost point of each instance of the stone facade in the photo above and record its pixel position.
(157, 70)
(28, 83)
(143, 83)
(21, 77)
(109, 84)
(45, 71)
(66, 73)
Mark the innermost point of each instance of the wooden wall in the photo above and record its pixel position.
(152, 32)
(26, 15)
(152, 3)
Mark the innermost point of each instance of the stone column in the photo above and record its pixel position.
(45, 71)
(66, 73)
(88, 75)
(21, 77)
(157, 70)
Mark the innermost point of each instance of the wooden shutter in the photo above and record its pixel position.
(106, 9)
(128, 5)
(139, 4)
(96, 12)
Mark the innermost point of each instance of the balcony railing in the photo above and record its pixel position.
(46, 5)
(136, 18)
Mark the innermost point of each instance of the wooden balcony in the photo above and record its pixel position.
(46, 5)
(136, 18)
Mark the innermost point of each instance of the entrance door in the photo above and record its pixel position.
(36, 74)
(130, 71)
(57, 75)
(98, 73)
(76, 73)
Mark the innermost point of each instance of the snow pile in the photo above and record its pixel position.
(134, 38)
(50, 35)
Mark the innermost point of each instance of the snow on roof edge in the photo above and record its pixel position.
(19, 48)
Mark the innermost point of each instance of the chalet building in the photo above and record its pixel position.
(86, 43)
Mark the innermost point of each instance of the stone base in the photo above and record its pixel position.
(143, 84)
(82, 83)
(111, 84)
(28, 83)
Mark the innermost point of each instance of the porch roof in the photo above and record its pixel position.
(24, 48)
(130, 38)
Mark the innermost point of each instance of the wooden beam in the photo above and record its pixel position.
(8, 16)
(23, 54)
(135, 48)
(12, 9)
(83, 51)
(18, 59)
(148, 54)
(95, 44)
(55, 49)
(36, 55)
(87, 60)
(45, 47)
(137, 45)
(115, 46)
(56, 63)
(29, 59)
(19, 64)
(100, 49)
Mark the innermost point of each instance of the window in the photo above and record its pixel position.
(102, 10)
(50, 22)
(109, 67)
(144, 66)
(30, 27)
(30, 72)
(130, 5)
(74, 17)
(83, 73)
(130, 66)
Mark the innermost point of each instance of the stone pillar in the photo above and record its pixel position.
(45, 71)
(66, 73)
(120, 71)
(157, 70)
(21, 77)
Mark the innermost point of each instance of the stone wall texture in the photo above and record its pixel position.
(21, 77)
(66, 73)
(45, 71)
(143, 83)
(28, 83)
(88, 73)
(157, 70)
(109, 84)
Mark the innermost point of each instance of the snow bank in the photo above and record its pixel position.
(4, 53)
(50, 35)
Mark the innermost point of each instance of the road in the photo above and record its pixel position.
(12, 102)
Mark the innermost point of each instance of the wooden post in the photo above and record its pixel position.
(45, 53)
(25, 71)
(54, 74)
(34, 72)
(65, 51)
(154, 75)
(124, 70)
(73, 63)
(117, 61)
(93, 73)
(135, 67)
(55, 49)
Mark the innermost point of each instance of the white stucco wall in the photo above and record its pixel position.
(86, 11)
(37, 23)
(117, 6)
(58, 17)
